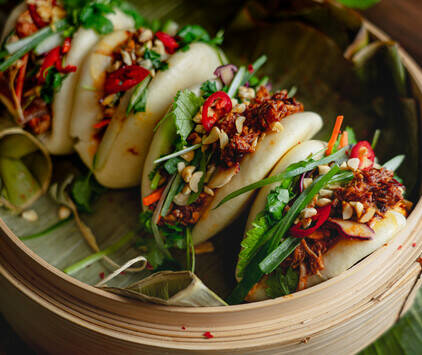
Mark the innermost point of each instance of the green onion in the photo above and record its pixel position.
(292, 91)
(190, 251)
(176, 154)
(49, 43)
(394, 163)
(263, 81)
(174, 189)
(278, 252)
(236, 82)
(47, 230)
(277, 256)
(137, 94)
(338, 156)
(70, 270)
(375, 138)
(255, 65)
(155, 181)
(20, 48)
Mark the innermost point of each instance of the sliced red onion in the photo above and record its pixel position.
(225, 73)
(350, 229)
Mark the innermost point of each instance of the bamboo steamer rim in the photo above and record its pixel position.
(160, 326)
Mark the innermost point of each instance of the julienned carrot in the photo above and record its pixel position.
(154, 197)
(344, 139)
(334, 135)
(21, 78)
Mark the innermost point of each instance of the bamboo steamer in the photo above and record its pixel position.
(55, 313)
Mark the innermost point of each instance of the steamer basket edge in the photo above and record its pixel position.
(66, 303)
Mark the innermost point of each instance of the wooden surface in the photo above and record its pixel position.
(399, 18)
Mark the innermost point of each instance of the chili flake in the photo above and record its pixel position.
(208, 335)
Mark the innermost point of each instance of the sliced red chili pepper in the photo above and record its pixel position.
(320, 217)
(66, 69)
(36, 18)
(49, 61)
(66, 45)
(250, 68)
(363, 151)
(102, 123)
(169, 42)
(124, 78)
(223, 103)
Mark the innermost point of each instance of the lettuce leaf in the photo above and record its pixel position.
(251, 243)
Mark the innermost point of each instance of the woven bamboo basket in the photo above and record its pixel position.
(56, 313)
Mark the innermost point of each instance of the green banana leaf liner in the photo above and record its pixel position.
(171, 288)
(25, 168)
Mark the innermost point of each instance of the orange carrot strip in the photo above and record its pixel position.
(154, 197)
(344, 139)
(334, 135)
(21, 78)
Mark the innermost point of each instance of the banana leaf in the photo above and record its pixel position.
(25, 168)
(170, 288)
(405, 337)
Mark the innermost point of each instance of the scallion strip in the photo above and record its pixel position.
(394, 163)
(70, 270)
(174, 189)
(47, 230)
(20, 48)
(256, 66)
(277, 250)
(292, 91)
(176, 154)
(155, 181)
(137, 94)
(236, 82)
(190, 251)
(338, 156)
(375, 138)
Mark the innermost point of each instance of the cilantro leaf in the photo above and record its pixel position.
(93, 16)
(208, 88)
(84, 190)
(251, 243)
(141, 104)
(53, 83)
(276, 201)
(195, 33)
(155, 59)
(171, 165)
(280, 284)
(185, 105)
(130, 10)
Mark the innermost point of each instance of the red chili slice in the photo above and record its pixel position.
(102, 123)
(54, 59)
(320, 217)
(223, 104)
(363, 151)
(250, 68)
(124, 78)
(66, 45)
(49, 61)
(169, 42)
(36, 18)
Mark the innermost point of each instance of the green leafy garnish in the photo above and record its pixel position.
(208, 88)
(359, 4)
(138, 100)
(276, 201)
(252, 242)
(155, 59)
(196, 33)
(171, 165)
(85, 189)
(185, 105)
(53, 83)
(280, 284)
